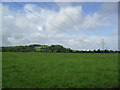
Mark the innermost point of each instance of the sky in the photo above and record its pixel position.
(75, 25)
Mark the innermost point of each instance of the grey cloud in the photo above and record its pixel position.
(21, 29)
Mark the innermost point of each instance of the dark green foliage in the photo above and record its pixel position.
(56, 48)
(36, 45)
(52, 48)
(18, 49)
(33, 48)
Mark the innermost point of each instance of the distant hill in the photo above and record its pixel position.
(36, 48)
(52, 48)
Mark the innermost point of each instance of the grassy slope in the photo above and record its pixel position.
(50, 70)
(39, 48)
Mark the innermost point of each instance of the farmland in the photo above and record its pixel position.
(59, 70)
(40, 48)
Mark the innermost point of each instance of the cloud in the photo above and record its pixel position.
(46, 26)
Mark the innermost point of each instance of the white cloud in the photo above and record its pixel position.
(55, 27)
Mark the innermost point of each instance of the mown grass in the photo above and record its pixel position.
(59, 70)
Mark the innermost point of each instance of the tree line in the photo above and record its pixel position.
(52, 48)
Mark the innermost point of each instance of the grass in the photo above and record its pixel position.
(59, 70)
(40, 48)
(0, 70)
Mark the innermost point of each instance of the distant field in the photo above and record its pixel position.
(40, 48)
(59, 70)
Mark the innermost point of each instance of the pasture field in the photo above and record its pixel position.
(0, 70)
(59, 70)
(40, 48)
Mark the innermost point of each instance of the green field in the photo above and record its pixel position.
(40, 48)
(59, 70)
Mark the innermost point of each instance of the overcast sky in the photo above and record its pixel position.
(73, 25)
